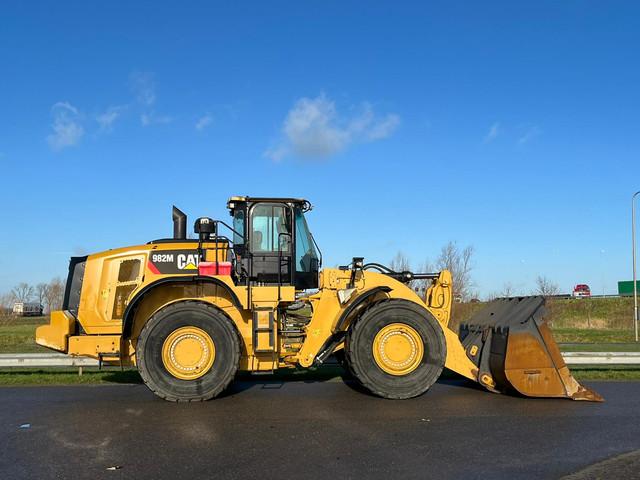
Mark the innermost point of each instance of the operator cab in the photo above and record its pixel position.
(272, 241)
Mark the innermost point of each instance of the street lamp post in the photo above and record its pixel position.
(633, 250)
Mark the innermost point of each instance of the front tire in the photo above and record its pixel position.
(188, 351)
(396, 349)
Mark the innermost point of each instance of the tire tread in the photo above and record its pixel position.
(144, 333)
(358, 369)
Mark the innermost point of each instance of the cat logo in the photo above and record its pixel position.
(172, 262)
(188, 262)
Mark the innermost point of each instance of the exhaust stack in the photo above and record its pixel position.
(179, 224)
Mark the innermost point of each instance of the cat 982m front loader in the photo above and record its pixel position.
(190, 313)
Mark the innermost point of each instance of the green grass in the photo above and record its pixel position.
(607, 373)
(591, 313)
(66, 376)
(579, 335)
(600, 347)
(17, 334)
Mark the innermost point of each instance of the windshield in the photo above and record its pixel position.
(306, 254)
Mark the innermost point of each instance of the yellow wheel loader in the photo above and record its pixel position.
(190, 313)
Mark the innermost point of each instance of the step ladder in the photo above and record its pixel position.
(109, 355)
(264, 330)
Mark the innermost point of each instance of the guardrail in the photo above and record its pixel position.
(601, 358)
(44, 360)
(16, 360)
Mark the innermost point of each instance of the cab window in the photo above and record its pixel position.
(238, 226)
(267, 223)
(306, 255)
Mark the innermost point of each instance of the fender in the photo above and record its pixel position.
(127, 319)
(339, 334)
(359, 299)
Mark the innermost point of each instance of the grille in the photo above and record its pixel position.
(129, 271)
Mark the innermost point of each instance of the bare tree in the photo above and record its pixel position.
(452, 258)
(458, 262)
(546, 287)
(22, 292)
(41, 293)
(6, 301)
(421, 286)
(507, 290)
(55, 294)
(400, 263)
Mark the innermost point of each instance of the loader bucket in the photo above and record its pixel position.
(514, 350)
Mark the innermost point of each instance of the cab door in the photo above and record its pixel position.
(270, 243)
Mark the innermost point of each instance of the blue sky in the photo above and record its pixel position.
(513, 128)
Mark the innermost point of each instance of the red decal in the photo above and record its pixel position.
(153, 268)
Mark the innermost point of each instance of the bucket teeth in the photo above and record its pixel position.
(587, 394)
(515, 351)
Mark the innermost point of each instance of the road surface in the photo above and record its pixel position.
(263, 428)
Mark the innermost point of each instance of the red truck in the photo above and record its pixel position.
(581, 290)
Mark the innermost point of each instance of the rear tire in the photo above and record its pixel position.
(417, 329)
(202, 324)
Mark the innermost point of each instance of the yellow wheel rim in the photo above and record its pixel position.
(188, 353)
(398, 349)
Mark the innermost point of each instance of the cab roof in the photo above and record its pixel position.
(246, 199)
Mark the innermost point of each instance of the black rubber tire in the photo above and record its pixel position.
(188, 313)
(359, 349)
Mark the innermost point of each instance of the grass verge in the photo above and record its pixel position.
(17, 334)
(630, 372)
(580, 335)
(600, 347)
(65, 376)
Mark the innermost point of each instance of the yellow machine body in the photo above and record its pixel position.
(113, 298)
(103, 304)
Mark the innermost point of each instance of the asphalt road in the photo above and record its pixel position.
(268, 429)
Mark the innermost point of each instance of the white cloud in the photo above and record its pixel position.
(313, 128)
(367, 127)
(277, 153)
(529, 134)
(384, 128)
(151, 118)
(493, 133)
(204, 122)
(107, 119)
(144, 88)
(67, 130)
